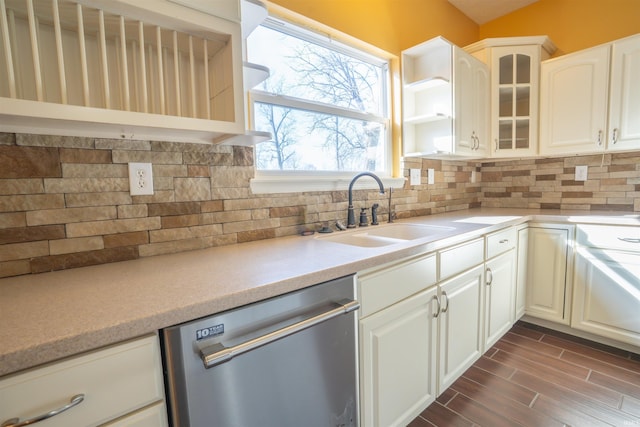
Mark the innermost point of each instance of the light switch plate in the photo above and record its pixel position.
(581, 173)
(414, 176)
(140, 179)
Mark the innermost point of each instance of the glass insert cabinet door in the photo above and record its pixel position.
(514, 102)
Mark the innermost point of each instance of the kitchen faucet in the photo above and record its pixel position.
(351, 218)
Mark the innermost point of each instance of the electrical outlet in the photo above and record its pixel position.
(431, 176)
(581, 173)
(414, 176)
(140, 179)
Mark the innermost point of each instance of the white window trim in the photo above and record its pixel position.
(276, 181)
(267, 182)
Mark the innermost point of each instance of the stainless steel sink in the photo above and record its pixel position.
(384, 235)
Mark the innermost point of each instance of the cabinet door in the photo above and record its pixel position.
(514, 100)
(398, 361)
(521, 274)
(607, 291)
(573, 102)
(624, 103)
(460, 324)
(548, 289)
(471, 105)
(500, 281)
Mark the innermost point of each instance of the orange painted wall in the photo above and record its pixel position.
(571, 24)
(391, 25)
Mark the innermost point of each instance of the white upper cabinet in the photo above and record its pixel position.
(445, 101)
(624, 98)
(590, 100)
(131, 69)
(515, 74)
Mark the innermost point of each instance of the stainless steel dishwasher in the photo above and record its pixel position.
(286, 361)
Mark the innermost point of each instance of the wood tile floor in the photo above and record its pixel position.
(537, 377)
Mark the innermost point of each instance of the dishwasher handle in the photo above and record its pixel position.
(217, 354)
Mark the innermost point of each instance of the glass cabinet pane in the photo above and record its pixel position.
(506, 70)
(505, 107)
(505, 135)
(522, 101)
(523, 69)
(522, 133)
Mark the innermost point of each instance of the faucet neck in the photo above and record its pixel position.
(360, 175)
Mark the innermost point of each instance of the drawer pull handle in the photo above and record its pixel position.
(446, 298)
(629, 239)
(435, 297)
(504, 241)
(15, 422)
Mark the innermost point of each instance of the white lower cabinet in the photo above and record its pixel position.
(549, 270)
(607, 282)
(122, 384)
(398, 361)
(521, 271)
(414, 345)
(460, 325)
(152, 416)
(499, 299)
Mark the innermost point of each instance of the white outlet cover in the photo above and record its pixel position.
(141, 179)
(431, 176)
(581, 173)
(414, 176)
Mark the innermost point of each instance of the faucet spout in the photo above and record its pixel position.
(351, 218)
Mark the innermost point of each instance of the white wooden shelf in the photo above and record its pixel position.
(120, 69)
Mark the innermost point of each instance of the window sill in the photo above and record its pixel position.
(266, 183)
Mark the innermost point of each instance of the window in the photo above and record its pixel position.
(325, 104)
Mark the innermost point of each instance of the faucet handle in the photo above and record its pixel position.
(374, 214)
(363, 217)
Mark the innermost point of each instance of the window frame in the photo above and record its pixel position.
(285, 181)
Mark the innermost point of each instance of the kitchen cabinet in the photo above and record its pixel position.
(521, 271)
(549, 271)
(459, 325)
(122, 69)
(445, 101)
(607, 282)
(122, 382)
(399, 359)
(514, 63)
(460, 311)
(590, 100)
(500, 285)
(416, 336)
(397, 341)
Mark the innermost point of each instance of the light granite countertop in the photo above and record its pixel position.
(49, 316)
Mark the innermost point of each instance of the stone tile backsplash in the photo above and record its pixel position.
(65, 203)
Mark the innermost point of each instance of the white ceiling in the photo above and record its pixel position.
(482, 11)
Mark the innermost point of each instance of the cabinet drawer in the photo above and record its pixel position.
(501, 242)
(609, 236)
(460, 258)
(383, 287)
(115, 381)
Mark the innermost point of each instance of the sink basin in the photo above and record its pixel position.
(385, 235)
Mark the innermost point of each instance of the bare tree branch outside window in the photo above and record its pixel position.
(321, 134)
